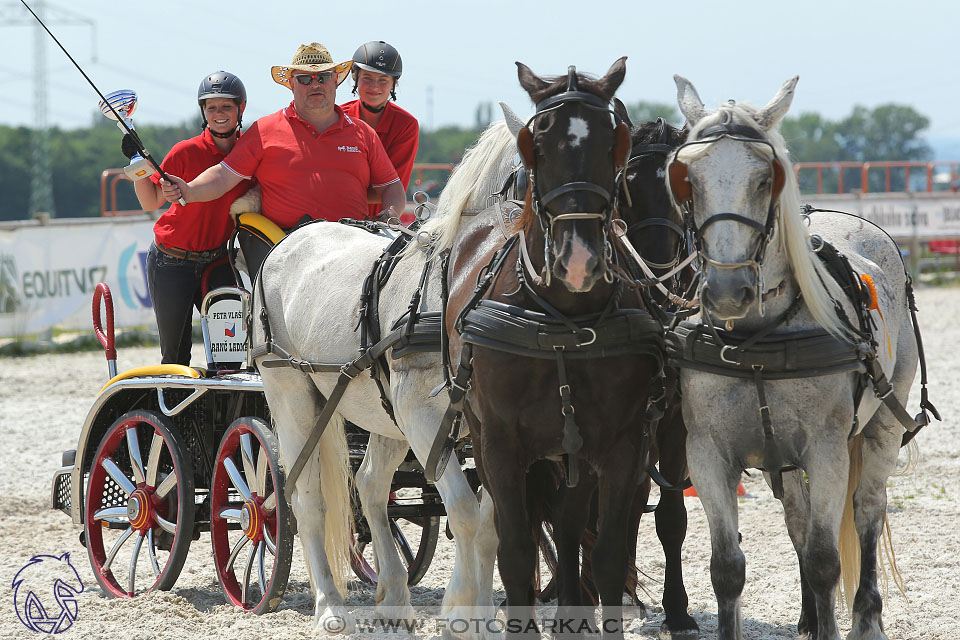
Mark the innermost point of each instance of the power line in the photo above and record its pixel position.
(17, 14)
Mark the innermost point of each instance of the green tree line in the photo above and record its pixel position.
(78, 156)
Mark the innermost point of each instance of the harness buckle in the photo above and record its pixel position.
(723, 354)
(593, 337)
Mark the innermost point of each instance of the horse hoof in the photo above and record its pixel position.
(679, 634)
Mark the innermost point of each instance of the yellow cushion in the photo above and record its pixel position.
(157, 370)
(259, 223)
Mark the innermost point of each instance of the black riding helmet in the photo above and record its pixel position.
(221, 84)
(379, 57)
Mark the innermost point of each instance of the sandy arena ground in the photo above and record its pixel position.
(44, 399)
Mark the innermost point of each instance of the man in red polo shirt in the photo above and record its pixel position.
(310, 159)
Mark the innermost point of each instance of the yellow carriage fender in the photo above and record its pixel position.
(258, 223)
(156, 370)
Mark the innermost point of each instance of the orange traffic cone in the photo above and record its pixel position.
(691, 492)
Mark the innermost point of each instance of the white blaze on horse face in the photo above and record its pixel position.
(578, 131)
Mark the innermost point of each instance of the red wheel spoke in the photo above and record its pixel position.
(118, 476)
(166, 486)
(133, 563)
(115, 548)
(151, 548)
(133, 449)
(153, 459)
(111, 512)
(236, 478)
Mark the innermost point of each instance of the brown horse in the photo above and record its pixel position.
(564, 358)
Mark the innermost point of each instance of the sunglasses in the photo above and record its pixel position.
(306, 79)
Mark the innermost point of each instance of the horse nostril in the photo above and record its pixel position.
(747, 295)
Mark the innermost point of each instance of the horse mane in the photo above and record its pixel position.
(808, 271)
(479, 175)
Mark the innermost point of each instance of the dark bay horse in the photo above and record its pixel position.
(564, 358)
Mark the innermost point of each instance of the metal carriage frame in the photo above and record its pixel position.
(193, 416)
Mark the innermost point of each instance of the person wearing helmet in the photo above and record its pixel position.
(190, 237)
(377, 67)
(310, 159)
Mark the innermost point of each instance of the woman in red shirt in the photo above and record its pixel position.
(189, 237)
(376, 68)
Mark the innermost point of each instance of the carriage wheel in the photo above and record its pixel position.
(139, 506)
(423, 532)
(248, 510)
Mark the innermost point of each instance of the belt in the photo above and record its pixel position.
(193, 256)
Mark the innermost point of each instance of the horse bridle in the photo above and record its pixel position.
(642, 152)
(683, 194)
(541, 203)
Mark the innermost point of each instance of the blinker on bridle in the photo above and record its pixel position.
(683, 194)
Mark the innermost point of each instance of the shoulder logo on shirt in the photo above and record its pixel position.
(348, 149)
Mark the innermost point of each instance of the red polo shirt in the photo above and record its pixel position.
(305, 172)
(399, 132)
(198, 226)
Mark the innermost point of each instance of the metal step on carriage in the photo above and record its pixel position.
(168, 452)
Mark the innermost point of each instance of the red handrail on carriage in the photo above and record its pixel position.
(864, 168)
(106, 338)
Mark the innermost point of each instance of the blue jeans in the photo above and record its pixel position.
(175, 290)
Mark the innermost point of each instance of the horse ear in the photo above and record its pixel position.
(680, 182)
(621, 150)
(771, 114)
(514, 123)
(530, 81)
(621, 110)
(614, 77)
(691, 106)
(525, 146)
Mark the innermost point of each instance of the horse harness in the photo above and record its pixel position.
(546, 334)
(416, 331)
(767, 355)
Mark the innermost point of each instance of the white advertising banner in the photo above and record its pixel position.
(902, 215)
(48, 273)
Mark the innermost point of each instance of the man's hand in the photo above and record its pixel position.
(387, 214)
(175, 188)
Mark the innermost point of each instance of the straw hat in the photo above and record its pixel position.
(310, 58)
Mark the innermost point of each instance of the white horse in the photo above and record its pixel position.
(311, 285)
(761, 278)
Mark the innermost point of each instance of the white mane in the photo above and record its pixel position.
(480, 174)
(808, 270)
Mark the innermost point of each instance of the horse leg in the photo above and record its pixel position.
(881, 444)
(295, 404)
(827, 469)
(796, 514)
(569, 522)
(373, 481)
(517, 553)
(716, 483)
(671, 521)
(617, 483)
(469, 593)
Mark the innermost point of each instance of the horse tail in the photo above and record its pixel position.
(849, 543)
(335, 478)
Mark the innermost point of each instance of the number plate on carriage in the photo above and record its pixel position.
(226, 331)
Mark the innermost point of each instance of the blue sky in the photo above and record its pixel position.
(462, 53)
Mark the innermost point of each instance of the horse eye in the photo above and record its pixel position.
(764, 184)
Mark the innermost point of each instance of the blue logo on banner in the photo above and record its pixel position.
(131, 297)
(45, 594)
